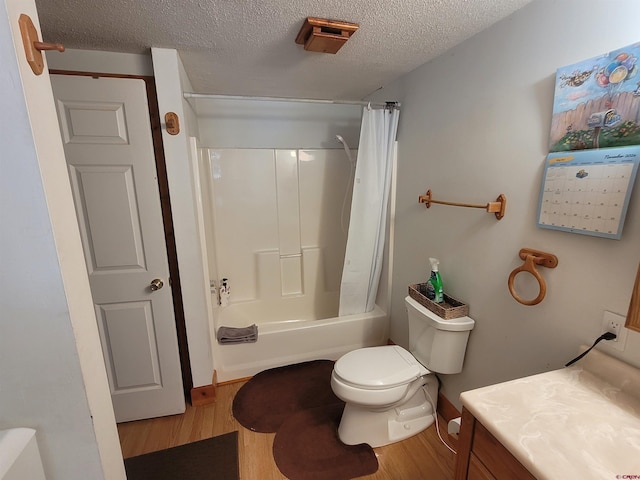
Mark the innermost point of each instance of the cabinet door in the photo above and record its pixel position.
(496, 457)
(477, 471)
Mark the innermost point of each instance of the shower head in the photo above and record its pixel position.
(342, 141)
(346, 148)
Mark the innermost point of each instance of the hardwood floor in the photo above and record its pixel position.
(421, 456)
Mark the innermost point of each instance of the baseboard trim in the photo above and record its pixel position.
(204, 394)
(448, 412)
(446, 409)
(235, 380)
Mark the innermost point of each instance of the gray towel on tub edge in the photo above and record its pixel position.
(237, 334)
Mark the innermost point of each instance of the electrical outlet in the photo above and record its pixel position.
(614, 323)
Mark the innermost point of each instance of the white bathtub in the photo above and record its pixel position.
(285, 342)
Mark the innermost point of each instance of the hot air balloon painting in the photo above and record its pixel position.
(596, 102)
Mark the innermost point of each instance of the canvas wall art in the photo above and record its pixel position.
(597, 102)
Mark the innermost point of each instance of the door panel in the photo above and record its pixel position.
(110, 232)
(106, 133)
(128, 333)
(93, 122)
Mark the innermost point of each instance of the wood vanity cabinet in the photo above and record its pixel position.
(482, 457)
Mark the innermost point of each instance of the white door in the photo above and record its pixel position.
(107, 141)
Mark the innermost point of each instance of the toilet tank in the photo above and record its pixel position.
(437, 343)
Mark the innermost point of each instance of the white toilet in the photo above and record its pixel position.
(391, 394)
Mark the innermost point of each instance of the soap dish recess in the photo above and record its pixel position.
(449, 309)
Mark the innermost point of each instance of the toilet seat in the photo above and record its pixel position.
(378, 368)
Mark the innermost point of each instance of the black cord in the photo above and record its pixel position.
(604, 336)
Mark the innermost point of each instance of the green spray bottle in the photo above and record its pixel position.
(436, 281)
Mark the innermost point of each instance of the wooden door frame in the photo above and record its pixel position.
(165, 202)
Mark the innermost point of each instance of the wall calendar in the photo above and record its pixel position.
(588, 191)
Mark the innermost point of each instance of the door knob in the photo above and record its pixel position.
(156, 284)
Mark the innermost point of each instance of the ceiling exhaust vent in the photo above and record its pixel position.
(326, 36)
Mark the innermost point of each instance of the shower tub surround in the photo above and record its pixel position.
(277, 218)
(577, 422)
(278, 233)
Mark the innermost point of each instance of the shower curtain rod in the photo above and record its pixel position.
(295, 100)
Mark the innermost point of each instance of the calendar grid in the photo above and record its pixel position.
(588, 192)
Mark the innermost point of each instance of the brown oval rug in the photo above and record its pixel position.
(271, 396)
(296, 402)
(307, 447)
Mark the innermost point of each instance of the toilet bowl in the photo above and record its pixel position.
(385, 401)
(390, 392)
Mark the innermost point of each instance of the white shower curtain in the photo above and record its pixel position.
(365, 242)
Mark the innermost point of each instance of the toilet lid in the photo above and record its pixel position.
(379, 367)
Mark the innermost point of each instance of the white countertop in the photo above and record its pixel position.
(577, 422)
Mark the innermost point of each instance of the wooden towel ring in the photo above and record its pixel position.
(531, 259)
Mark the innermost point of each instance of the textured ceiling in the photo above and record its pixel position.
(247, 47)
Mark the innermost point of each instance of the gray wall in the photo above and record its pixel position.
(475, 123)
(41, 376)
